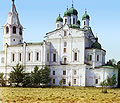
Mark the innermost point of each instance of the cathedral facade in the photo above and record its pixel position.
(71, 51)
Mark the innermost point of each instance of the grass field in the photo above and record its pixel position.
(59, 95)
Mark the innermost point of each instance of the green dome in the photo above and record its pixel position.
(59, 19)
(85, 16)
(78, 22)
(66, 13)
(96, 45)
(72, 11)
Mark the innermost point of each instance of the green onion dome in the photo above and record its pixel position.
(85, 16)
(66, 13)
(78, 22)
(72, 11)
(96, 45)
(59, 19)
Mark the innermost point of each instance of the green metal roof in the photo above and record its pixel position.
(71, 11)
(85, 16)
(66, 13)
(59, 19)
(96, 45)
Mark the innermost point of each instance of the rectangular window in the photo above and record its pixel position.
(20, 57)
(57, 25)
(65, 21)
(73, 20)
(90, 57)
(75, 56)
(54, 57)
(97, 57)
(53, 72)
(96, 81)
(53, 81)
(13, 57)
(29, 55)
(64, 72)
(47, 57)
(74, 81)
(64, 50)
(65, 44)
(65, 33)
(75, 72)
(64, 81)
(37, 56)
(84, 23)
(70, 20)
(65, 60)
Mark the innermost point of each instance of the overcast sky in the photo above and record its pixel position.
(39, 17)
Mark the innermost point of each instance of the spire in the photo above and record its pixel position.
(13, 1)
(67, 8)
(13, 15)
(72, 3)
(59, 14)
(85, 11)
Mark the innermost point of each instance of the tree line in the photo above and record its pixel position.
(18, 77)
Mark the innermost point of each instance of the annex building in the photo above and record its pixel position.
(71, 51)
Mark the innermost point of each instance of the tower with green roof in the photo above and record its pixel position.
(71, 16)
(85, 20)
(59, 22)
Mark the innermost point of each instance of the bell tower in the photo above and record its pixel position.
(12, 29)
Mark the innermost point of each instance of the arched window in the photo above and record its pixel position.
(14, 30)
(75, 56)
(65, 60)
(13, 57)
(57, 25)
(65, 44)
(65, 21)
(65, 33)
(2, 60)
(73, 20)
(70, 20)
(84, 23)
(7, 30)
(20, 31)
(97, 57)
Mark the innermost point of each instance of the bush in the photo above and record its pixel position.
(2, 80)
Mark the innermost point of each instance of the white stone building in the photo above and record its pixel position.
(71, 51)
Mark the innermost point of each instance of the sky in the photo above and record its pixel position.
(39, 17)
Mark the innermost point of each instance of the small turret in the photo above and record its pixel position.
(85, 20)
(59, 22)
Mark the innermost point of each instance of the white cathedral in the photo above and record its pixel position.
(71, 51)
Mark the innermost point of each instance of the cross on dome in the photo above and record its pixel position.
(72, 3)
(13, 1)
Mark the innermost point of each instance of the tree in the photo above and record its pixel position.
(111, 62)
(118, 66)
(61, 82)
(104, 85)
(45, 75)
(17, 75)
(2, 80)
(35, 76)
(108, 82)
(111, 81)
(27, 80)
